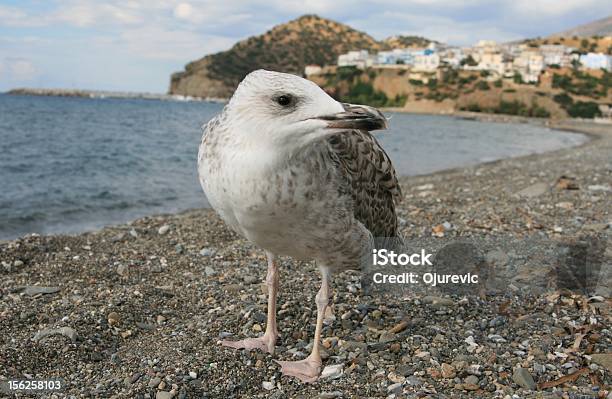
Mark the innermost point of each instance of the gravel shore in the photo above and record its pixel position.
(137, 310)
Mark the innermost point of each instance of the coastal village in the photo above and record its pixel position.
(546, 64)
(507, 60)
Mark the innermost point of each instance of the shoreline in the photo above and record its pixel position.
(143, 304)
(107, 94)
(500, 118)
(102, 94)
(563, 125)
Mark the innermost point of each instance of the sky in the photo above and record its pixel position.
(135, 45)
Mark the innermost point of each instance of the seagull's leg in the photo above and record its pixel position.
(268, 340)
(308, 370)
(272, 277)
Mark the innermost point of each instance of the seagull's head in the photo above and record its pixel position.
(284, 108)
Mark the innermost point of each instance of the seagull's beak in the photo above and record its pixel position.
(356, 117)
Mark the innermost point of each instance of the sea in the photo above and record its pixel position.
(69, 165)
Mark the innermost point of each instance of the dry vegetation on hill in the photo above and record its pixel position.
(406, 42)
(288, 48)
(593, 44)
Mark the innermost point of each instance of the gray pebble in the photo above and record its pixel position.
(497, 321)
(122, 270)
(332, 371)
(404, 370)
(414, 381)
(472, 379)
(496, 338)
(522, 378)
(534, 190)
(32, 290)
(330, 395)
(387, 337)
(207, 252)
(67, 332)
(395, 388)
(135, 377)
(117, 237)
(154, 382)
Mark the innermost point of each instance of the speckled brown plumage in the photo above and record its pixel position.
(371, 180)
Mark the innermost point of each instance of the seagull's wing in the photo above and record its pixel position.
(371, 179)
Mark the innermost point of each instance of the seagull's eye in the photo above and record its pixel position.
(284, 100)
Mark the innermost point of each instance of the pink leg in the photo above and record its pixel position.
(308, 370)
(268, 340)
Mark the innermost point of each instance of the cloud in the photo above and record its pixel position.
(8, 15)
(169, 44)
(209, 17)
(91, 42)
(85, 13)
(537, 9)
(78, 13)
(16, 17)
(18, 70)
(183, 11)
(440, 28)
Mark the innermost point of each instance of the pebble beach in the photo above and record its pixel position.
(137, 310)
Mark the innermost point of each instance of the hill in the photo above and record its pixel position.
(406, 41)
(287, 47)
(596, 44)
(601, 27)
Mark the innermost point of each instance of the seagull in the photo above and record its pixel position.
(298, 174)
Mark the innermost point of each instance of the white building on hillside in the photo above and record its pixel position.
(428, 61)
(359, 58)
(492, 62)
(452, 56)
(312, 70)
(396, 56)
(529, 64)
(596, 61)
(556, 54)
(488, 56)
